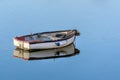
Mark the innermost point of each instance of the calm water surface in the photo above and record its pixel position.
(99, 43)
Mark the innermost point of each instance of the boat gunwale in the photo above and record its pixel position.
(35, 42)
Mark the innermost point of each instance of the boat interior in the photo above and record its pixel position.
(41, 37)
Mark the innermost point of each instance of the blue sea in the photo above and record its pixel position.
(99, 43)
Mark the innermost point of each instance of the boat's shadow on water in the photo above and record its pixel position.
(63, 52)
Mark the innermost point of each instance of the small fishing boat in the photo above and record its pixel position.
(46, 40)
(63, 52)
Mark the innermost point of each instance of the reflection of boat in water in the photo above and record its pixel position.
(67, 51)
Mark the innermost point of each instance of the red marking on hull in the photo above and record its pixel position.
(22, 38)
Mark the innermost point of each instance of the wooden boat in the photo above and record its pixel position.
(67, 51)
(46, 40)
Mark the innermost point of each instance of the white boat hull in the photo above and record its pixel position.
(46, 45)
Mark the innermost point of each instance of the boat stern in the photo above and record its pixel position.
(21, 44)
